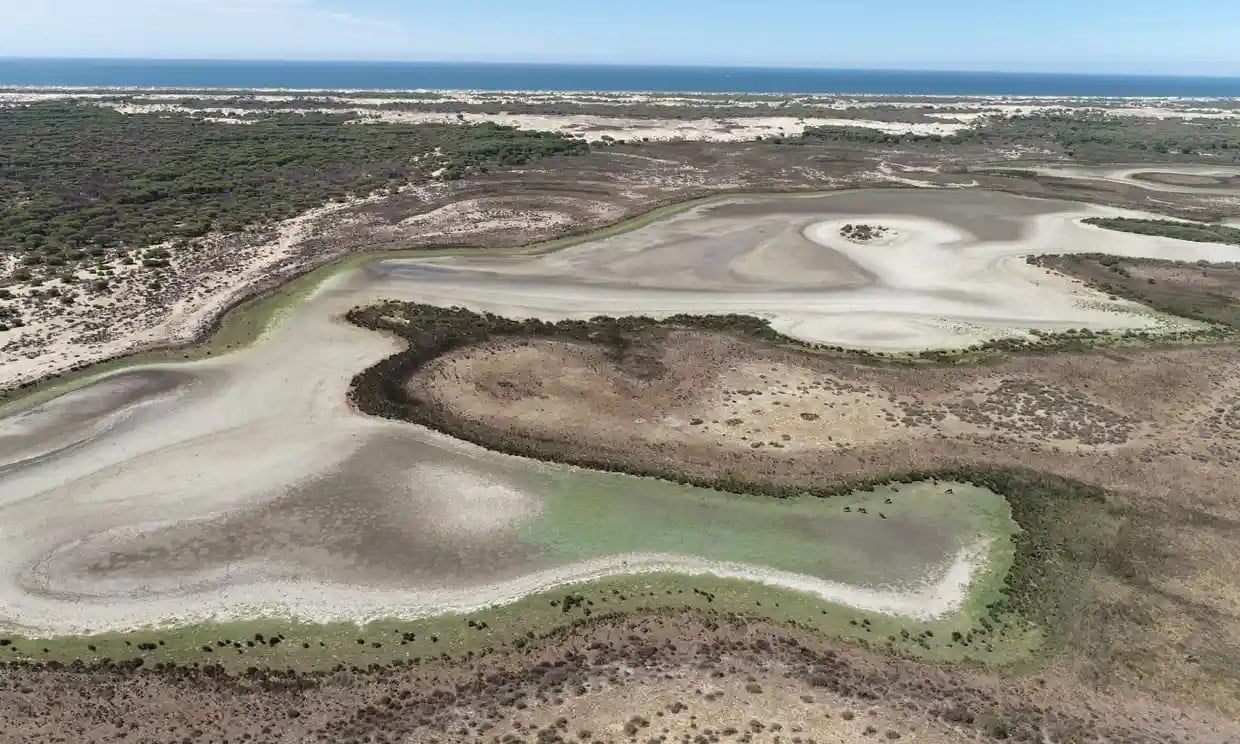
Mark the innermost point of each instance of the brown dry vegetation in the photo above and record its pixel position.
(670, 678)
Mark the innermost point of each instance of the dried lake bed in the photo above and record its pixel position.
(244, 485)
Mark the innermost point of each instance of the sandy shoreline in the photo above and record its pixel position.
(24, 93)
(207, 293)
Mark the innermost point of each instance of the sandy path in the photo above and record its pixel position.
(241, 431)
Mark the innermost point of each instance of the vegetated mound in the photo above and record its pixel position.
(1202, 291)
(1143, 424)
(699, 399)
(1198, 232)
(863, 233)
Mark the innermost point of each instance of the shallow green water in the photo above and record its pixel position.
(923, 526)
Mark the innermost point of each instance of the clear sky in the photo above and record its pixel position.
(1191, 37)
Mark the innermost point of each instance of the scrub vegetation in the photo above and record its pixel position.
(84, 184)
(1202, 291)
(1067, 439)
(1042, 504)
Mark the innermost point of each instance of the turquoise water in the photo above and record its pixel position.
(479, 76)
(921, 525)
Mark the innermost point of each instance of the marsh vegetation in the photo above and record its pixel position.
(863, 233)
(1080, 438)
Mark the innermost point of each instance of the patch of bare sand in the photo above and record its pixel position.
(587, 126)
(463, 505)
(477, 215)
(135, 315)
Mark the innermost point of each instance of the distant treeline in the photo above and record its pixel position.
(1087, 136)
(1198, 232)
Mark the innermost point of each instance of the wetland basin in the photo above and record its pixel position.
(244, 485)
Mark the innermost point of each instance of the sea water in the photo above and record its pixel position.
(493, 76)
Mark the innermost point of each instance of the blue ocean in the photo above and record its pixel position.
(485, 76)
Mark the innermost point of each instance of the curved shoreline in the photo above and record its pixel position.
(942, 593)
(1126, 174)
(270, 298)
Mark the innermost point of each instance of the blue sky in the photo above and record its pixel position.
(1123, 36)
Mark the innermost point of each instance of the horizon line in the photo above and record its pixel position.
(646, 65)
